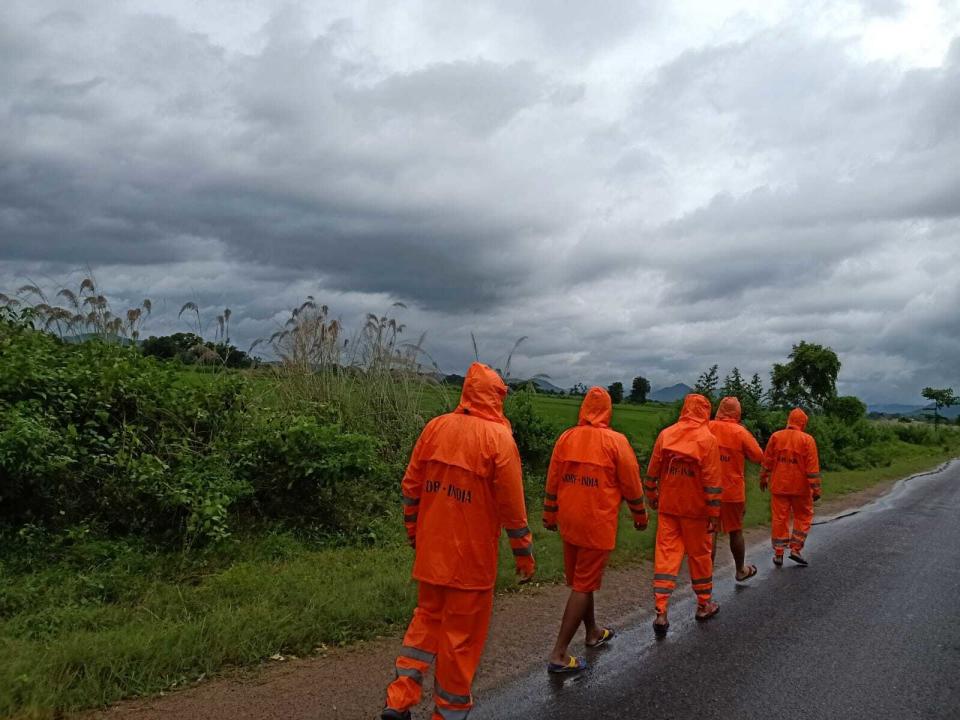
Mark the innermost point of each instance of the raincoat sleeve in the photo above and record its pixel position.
(769, 458)
(812, 460)
(628, 477)
(411, 487)
(651, 487)
(711, 474)
(551, 504)
(751, 448)
(512, 510)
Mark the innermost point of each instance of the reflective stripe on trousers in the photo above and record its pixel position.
(678, 537)
(449, 629)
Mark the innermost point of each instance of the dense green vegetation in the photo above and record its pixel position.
(96, 434)
(158, 522)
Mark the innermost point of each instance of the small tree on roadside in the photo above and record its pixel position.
(941, 398)
(616, 392)
(707, 383)
(639, 390)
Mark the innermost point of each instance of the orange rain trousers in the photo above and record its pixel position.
(780, 508)
(450, 626)
(678, 536)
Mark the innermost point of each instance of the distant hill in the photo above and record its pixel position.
(950, 412)
(894, 409)
(913, 411)
(541, 384)
(672, 393)
(547, 386)
(916, 411)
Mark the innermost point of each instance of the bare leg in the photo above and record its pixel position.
(594, 631)
(578, 605)
(737, 547)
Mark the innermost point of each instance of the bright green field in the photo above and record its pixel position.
(638, 422)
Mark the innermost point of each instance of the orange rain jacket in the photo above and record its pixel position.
(462, 485)
(735, 443)
(790, 460)
(684, 475)
(592, 469)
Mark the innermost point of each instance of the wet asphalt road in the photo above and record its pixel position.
(870, 630)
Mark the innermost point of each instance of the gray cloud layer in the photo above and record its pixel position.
(634, 191)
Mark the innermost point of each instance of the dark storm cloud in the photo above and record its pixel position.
(342, 207)
(631, 197)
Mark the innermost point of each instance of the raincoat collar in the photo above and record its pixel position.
(596, 409)
(797, 419)
(483, 394)
(729, 410)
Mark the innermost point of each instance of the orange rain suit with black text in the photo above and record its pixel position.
(462, 485)
(736, 443)
(792, 467)
(684, 483)
(592, 470)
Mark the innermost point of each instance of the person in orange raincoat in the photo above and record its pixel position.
(462, 486)
(791, 468)
(592, 470)
(736, 443)
(684, 484)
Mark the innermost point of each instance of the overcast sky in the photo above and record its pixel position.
(641, 188)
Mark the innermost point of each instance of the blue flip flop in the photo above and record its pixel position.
(574, 665)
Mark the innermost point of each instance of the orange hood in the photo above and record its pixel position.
(729, 409)
(596, 409)
(685, 437)
(797, 419)
(483, 394)
(696, 409)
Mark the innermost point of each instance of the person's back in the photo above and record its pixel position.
(683, 482)
(462, 485)
(791, 467)
(792, 457)
(735, 444)
(685, 459)
(458, 454)
(592, 470)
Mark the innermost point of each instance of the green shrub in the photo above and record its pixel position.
(846, 407)
(534, 434)
(310, 469)
(916, 433)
